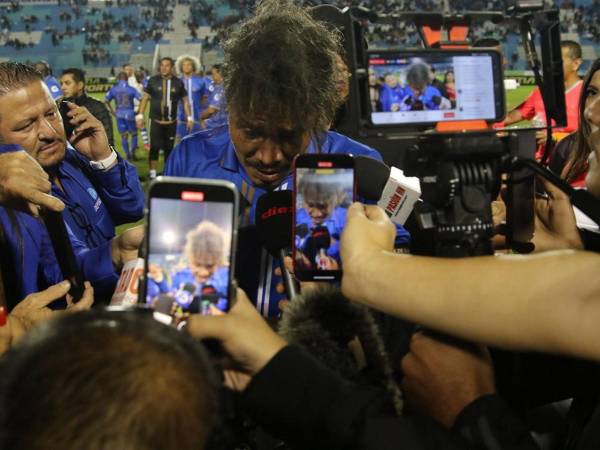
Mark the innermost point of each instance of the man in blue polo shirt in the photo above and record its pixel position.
(215, 115)
(99, 189)
(53, 85)
(124, 97)
(280, 87)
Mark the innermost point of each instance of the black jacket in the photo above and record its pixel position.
(308, 406)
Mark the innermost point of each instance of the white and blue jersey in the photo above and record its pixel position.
(124, 97)
(216, 100)
(210, 154)
(196, 88)
(427, 99)
(53, 87)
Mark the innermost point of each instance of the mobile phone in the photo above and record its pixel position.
(190, 241)
(324, 188)
(424, 87)
(63, 108)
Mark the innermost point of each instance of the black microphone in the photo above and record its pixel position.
(274, 226)
(318, 242)
(371, 177)
(57, 230)
(437, 100)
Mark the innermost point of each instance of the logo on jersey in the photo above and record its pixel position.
(92, 193)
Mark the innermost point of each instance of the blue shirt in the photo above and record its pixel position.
(96, 200)
(53, 86)
(196, 88)
(426, 98)
(216, 100)
(124, 96)
(218, 280)
(211, 155)
(390, 97)
(35, 262)
(335, 225)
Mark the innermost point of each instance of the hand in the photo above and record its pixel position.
(541, 137)
(155, 273)
(190, 125)
(244, 334)
(305, 286)
(24, 185)
(139, 121)
(89, 137)
(555, 225)
(368, 232)
(126, 245)
(34, 308)
(203, 123)
(441, 379)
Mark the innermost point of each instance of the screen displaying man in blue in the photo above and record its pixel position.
(415, 88)
(322, 200)
(189, 255)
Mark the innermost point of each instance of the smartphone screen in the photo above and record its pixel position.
(323, 191)
(189, 259)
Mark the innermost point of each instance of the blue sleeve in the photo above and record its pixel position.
(176, 163)
(384, 99)
(109, 96)
(120, 190)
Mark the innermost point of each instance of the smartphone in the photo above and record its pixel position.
(189, 250)
(324, 188)
(424, 87)
(63, 108)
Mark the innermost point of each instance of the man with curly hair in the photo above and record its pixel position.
(280, 80)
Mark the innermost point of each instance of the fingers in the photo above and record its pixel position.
(86, 301)
(355, 210)
(44, 298)
(37, 198)
(376, 214)
(553, 192)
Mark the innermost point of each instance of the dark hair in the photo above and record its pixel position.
(99, 379)
(280, 66)
(448, 72)
(573, 47)
(77, 74)
(487, 42)
(581, 148)
(44, 68)
(418, 74)
(167, 58)
(217, 67)
(122, 76)
(16, 75)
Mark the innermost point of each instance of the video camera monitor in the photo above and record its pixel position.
(424, 87)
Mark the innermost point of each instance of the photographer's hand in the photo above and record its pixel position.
(555, 225)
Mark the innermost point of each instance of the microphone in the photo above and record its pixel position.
(57, 230)
(390, 188)
(274, 226)
(185, 295)
(317, 245)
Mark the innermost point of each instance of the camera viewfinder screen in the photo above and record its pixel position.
(189, 256)
(322, 200)
(430, 88)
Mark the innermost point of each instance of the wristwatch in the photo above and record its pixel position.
(105, 163)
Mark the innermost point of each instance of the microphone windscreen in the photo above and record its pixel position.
(371, 176)
(273, 220)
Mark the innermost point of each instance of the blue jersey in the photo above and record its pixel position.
(97, 200)
(196, 88)
(124, 96)
(53, 86)
(427, 99)
(216, 100)
(211, 155)
(391, 98)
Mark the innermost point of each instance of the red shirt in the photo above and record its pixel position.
(533, 107)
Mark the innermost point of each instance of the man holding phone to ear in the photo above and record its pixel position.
(98, 188)
(281, 96)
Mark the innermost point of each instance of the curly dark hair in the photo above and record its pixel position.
(280, 66)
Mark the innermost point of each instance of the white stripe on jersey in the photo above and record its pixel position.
(268, 286)
(191, 97)
(169, 98)
(261, 274)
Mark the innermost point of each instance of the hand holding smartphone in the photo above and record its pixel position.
(324, 188)
(192, 228)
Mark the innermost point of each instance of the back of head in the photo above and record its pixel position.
(573, 48)
(106, 380)
(14, 76)
(280, 66)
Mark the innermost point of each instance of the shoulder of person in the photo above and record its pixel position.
(338, 143)
(203, 145)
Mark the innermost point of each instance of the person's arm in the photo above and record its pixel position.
(139, 118)
(513, 116)
(188, 113)
(546, 302)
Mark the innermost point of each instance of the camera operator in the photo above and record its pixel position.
(543, 302)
